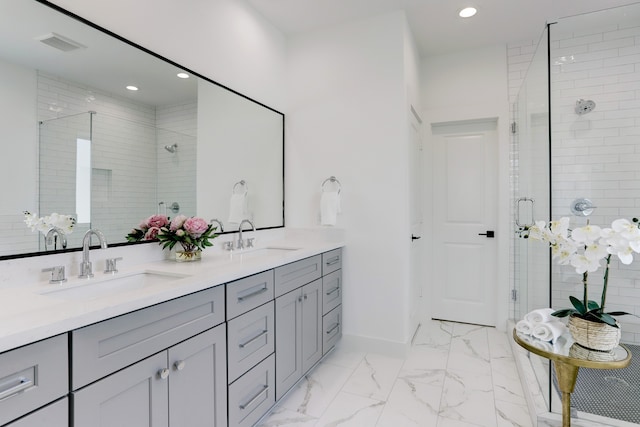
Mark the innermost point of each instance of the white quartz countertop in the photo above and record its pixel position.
(34, 312)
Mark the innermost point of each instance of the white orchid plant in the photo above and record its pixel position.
(585, 248)
(63, 223)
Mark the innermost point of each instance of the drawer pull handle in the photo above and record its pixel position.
(333, 328)
(254, 398)
(179, 365)
(333, 260)
(163, 373)
(246, 343)
(254, 293)
(23, 384)
(330, 291)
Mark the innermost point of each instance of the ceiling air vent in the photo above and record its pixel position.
(62, 43)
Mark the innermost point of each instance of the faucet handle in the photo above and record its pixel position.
(111, 266)
(57, 274)
(228, 246)
(250, 241)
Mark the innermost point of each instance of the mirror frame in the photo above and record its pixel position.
(188, 70)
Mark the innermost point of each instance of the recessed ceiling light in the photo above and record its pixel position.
(467, 12)
(183, 75)
(132, 87)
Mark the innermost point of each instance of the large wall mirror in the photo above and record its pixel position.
(76, 141)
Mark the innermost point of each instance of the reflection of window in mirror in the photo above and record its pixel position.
(83, 181)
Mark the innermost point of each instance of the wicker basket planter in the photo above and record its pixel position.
(594, 335)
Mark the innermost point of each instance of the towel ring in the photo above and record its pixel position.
(334, 180)
(240, 183)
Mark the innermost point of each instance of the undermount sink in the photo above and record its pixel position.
(96, 288)
(260, 252)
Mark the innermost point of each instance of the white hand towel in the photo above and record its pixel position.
(540, 315)
(237, 208)
(549, 331)
(329, 207)
(524, 327)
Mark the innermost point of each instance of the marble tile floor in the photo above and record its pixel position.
(455, 375)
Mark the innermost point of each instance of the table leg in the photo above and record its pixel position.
(567, 375)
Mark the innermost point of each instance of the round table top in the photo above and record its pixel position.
(567, 351)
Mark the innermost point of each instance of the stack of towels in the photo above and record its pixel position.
(542, 325)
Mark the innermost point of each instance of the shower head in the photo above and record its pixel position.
(171, 148)
(584, 106)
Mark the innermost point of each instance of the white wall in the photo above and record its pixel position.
(18, 168)
(347, 116)
(466, 86)
(225, 40)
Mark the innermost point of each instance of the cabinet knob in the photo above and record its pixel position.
(163, 373)
(179, 365)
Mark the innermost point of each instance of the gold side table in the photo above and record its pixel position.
(569, 359)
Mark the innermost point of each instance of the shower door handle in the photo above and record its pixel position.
(490, 234)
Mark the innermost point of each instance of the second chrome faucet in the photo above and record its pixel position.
(86, 270)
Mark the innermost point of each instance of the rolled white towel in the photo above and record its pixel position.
(548, 331)
(540, 315)
(524, 327)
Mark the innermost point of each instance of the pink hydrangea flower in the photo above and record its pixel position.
(152, 233)
(157, 221)
(195, 226)
(177, 222)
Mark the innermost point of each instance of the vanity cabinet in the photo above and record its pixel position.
(160, 366)
(33, 376)
(298, 334)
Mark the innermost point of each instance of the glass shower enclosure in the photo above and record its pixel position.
(577, 154)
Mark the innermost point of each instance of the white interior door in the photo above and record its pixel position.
(415, 182)
(465, 215)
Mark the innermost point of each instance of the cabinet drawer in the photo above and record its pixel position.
(331, 291)
(54, 415)
(331, 261)
(292, 276)
(248, 293)
(108, 346)
(250, 338)
(32, 376)
(251, 396)
(331, 329)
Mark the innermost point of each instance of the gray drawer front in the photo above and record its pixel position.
(331, 261)
(331, 291)
(108, 346)
(54, 415)
(296, 274)
(331, 329)
(32, 376)
(248, 293)
(251, 339)
(252, 395)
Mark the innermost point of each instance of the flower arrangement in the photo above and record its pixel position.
(62, 223)
(192, 233)
(584, 249)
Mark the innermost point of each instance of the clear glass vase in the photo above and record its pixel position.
(188, 256)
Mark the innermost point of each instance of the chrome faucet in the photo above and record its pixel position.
(50, 238)
(240, 243)
(86, 270)
(219, 223)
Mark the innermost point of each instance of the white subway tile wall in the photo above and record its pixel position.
(131, 171)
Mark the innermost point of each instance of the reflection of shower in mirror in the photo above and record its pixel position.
(584, 106)
(171, 148)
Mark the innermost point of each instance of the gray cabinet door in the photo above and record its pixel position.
(136, 396)
(288, 345)
(198, 381)
(54, 415)
(311, 331)
(291, 276)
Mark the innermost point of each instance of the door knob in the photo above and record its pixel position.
(490, 234)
